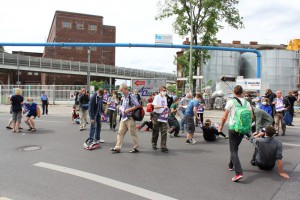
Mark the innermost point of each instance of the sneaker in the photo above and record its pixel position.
(81, 129)
(29, 129)
(230, 168)
(154, 148)
(8, 127)
(237, 177)
(139, 128)
(100, 141)
(193, 141)
(164, 150)
(188, 142)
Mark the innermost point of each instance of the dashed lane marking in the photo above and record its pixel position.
(106, 181)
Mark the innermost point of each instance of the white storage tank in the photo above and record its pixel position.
(221, 63)
(279, 69)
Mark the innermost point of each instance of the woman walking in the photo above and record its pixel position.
(112, 103)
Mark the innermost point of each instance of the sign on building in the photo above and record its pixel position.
(163, 39)
(249, 83)
(146, 87)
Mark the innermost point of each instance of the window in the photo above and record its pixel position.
(79, 26)
(66, 24)
(92, 27)
(29, 73)
(79, 48)
(93, 48)
(66, 47)
(36, 73)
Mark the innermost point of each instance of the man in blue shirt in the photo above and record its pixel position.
(45, 102)
(190, 113)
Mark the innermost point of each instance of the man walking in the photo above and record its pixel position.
(182, 106)
(127, 123)
(83, 108)
(281, 105)
(190, 113)
(45, 102)
(235, 138)
(160, 106)
(95, 112)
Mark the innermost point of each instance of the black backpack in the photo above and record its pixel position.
(139, 113)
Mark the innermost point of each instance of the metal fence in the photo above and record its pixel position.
(57, 94)
(76, 67)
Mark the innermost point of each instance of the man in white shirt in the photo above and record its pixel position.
(159, 120)
(235, 138)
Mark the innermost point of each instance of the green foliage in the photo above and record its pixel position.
(207, 16)
(98, 85)
(172, 88)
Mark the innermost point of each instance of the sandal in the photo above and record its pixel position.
(134, 151)
(114, 150)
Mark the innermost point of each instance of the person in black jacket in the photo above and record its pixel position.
(95, 112)
(292, 97)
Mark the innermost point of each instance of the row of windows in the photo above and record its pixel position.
(80, 48)
(91, 27)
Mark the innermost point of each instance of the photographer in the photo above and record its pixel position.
(83, 108)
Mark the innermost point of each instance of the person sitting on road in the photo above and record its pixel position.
(75, 115)
(268, 150)
(33, 111)
(210, 131)
(149, 124)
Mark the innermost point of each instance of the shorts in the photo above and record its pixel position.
(30, 115)
(190, 124)
(17, 116)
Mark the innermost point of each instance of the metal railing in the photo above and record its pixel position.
(43, 64)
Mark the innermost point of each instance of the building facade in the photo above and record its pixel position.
(77, 27)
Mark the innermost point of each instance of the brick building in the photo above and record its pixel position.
(76, 27)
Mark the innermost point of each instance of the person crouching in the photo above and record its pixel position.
(33, 112)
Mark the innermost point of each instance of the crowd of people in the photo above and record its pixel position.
(256, 118)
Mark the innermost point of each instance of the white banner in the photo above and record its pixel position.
(249, 83)
(163, 39)
(146, 87)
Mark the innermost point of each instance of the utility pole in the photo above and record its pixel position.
(88, 71)
(191, 51)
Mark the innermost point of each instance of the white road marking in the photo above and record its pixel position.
(293, 145)
(4, 198)
(106, 181)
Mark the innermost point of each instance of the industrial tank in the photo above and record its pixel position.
(279, 69)
(221, 63)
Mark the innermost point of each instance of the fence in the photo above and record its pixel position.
(57, 94)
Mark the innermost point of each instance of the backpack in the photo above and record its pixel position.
(149, 107)
(243, 117)
(139, 113)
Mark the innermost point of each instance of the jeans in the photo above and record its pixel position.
(96, 128)
(234, 141)
(182, 121)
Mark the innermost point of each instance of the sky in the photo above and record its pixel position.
(266, 21)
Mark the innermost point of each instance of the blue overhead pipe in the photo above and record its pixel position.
(71, 44)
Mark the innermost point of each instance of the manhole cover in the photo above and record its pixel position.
(30, 148)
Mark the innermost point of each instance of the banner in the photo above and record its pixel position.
(163, 117)
(146, 87)
(112, 106)
(249, 83)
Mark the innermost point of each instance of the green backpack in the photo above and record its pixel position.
(243, 118)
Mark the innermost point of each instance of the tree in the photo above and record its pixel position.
(207, 17)
(97, 84)
(172, 88)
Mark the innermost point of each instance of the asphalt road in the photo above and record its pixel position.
(187, 172)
